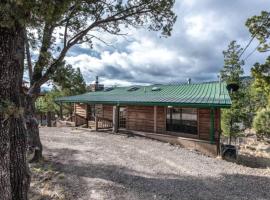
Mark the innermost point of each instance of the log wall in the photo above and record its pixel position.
(141, 118)
(204, 123)
(80, 109)
(104, 111)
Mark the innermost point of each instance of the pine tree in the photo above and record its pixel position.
(231, 72)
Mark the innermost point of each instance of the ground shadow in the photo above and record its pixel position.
(125, 183)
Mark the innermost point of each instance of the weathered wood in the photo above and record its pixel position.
(75, 115)
(87, 115)
(96, 123)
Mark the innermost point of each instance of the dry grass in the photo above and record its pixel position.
(46, 182)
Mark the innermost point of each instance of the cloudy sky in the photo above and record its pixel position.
(203, 30)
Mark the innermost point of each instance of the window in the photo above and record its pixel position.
(131, 89)
(182, 120)
(122, 117)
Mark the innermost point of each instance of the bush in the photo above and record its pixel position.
(262, 123)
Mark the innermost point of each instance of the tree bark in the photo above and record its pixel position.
(14, 172)
(49, 119)
(32, 128)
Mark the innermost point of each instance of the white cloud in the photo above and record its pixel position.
(203, 30)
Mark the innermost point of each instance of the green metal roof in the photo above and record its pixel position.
(211, 94)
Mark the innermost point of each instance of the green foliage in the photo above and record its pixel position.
(259, 27)
(232, 69)
(262, 123)
(231, 72)
(261, 74)
(69, 79)
(46, 103)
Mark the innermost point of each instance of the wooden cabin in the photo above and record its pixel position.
(184, 114)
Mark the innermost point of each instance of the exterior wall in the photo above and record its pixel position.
(80, 109)
(141, 118)
(204, 122)
(104, 111)
(108, 112)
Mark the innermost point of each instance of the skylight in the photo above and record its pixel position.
(156, 89)
(133, 89)
(108, 89)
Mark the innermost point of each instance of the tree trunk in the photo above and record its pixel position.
(32, 128)
(49, 119)
(14, 172)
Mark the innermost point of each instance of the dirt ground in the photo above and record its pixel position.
(83, 165)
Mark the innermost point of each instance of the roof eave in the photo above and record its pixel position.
(194, 105)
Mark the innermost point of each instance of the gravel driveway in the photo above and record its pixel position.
(99, 165)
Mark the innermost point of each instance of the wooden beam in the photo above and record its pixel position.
(115, 118)
(75, 116)
(96, 122)
(155, 119)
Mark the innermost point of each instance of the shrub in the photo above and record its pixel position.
(262, 123)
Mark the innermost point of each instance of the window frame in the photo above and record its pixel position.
(182, 133)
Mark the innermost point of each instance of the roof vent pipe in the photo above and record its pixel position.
(188, 80)
(219, 80)
(96, 85)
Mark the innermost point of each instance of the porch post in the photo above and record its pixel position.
(87, 115)
(96, 123)
(212, 126)
(155, 119)
(115, 118)
(75, 115)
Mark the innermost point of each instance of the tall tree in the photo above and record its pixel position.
(231, 73)
(259, 27)
(14, 174)
(77, 22)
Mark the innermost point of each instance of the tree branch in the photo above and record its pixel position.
(28, 58)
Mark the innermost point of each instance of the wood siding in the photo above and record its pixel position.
(108, 112)
(80, 109)
(141, 118)
(104, 111)
(204, 121)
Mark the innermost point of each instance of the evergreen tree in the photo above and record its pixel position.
(259, 27)
(231, 118)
